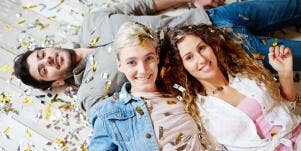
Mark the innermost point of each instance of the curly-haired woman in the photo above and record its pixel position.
(238, 100)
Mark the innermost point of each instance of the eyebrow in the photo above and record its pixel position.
(131, 58)
(149, 54)
(198, 46)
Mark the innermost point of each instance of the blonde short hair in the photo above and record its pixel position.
(132, 34)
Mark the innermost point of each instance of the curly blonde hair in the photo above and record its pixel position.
(232, 59)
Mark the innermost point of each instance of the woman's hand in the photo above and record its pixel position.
(280, 58)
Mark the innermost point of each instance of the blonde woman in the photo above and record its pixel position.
(239, 102)
(143, 117)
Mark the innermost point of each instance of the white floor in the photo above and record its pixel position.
(27, 125)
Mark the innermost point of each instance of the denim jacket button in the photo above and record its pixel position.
(139, 110)
(148, 135)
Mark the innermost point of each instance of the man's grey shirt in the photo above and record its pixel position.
(104, 24)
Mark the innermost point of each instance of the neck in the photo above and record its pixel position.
(147, 90)
(82, 53)
(218, 80)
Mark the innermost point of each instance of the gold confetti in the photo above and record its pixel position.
(107, 87)
(48, 112)
(25, 43)
(6, 131)
(171, 102)
(28, 133)
(178, 37)
(143, 43)
(51, 17)
(273, 133)
(6, 68)
(67, 106)
(27, 148)
(40, 24)
(275, 43)
(54, 99)
(258, 56)
(94, 66)
(162, 72)
(27, 100)
(84, 146)
(75, 26)
(139, 110)
(94, 41)
(264, 41)
(29, 6)
(4, 99)
(8, 28)
(22, 22)
(179, 138)
(62, 143)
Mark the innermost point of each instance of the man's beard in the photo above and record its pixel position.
(72, 56)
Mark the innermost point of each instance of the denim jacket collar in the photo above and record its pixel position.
(124, 95)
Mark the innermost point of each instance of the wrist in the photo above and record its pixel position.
(286, 75)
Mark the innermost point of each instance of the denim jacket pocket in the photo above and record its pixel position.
(120, 125)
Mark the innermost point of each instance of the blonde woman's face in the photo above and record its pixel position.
(198, 57)
(140, 66)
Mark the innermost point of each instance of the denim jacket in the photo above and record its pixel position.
(122, 124)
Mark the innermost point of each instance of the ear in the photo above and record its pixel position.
(118, 65)
(57, 83)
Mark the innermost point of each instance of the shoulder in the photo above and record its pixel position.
(103, 107)
(243, 81)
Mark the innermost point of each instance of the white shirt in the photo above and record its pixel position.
(234, 129)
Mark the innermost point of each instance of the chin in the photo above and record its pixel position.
(144, 87)
(205, 76)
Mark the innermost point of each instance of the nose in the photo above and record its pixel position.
(48, 61)
(141, 68)
(201, 59)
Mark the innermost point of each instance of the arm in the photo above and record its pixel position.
(144, 7)
(149, 7)
(100, 139)
(280, 58)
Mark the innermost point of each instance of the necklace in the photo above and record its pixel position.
(216, 90)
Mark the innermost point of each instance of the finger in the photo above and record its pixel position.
(277, 51)
(271, 49)
(281, 50)
(271, 53)
(286, 51)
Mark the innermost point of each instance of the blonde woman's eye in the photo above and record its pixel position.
(150, 58)
(131, 63)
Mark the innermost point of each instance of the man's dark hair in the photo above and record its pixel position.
(21, 69)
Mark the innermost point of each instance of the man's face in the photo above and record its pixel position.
(51, 64)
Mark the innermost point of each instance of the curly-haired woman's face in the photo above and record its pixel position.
(198, 57)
